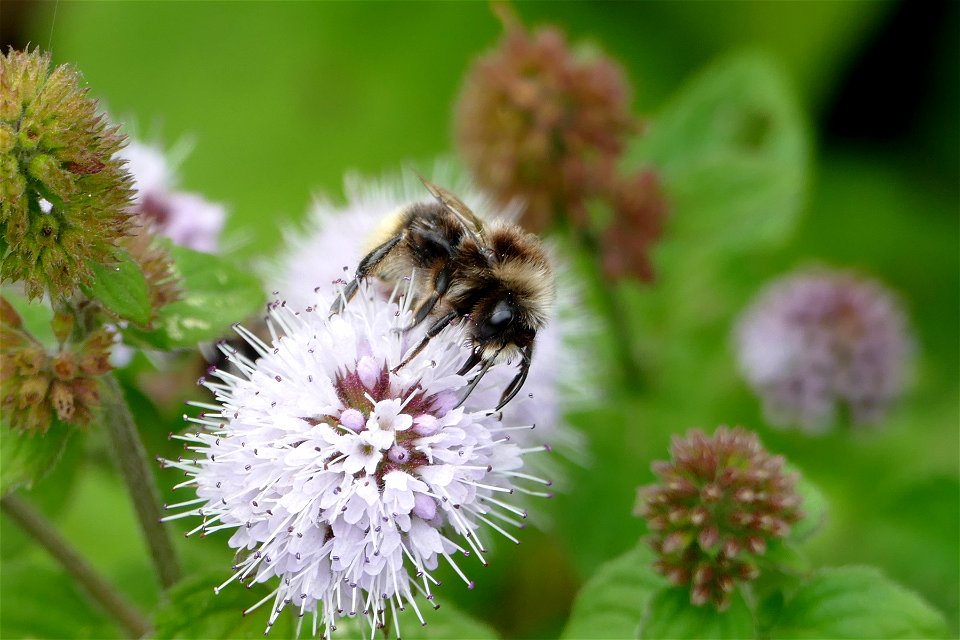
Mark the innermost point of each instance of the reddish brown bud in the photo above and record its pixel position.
(538, 122)
(714, 536)
(32, 391)
(30, 360)
(709, 538)
(64, 366)
(34, 385)
(640, 210)
(62, 399)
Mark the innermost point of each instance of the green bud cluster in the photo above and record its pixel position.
(63, 194)
(719, 503)
(36, 385)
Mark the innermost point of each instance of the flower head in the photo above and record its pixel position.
(719, 501)
(188, 219)
(326, 252)
(343, 477)
(63, 191)
(36, 385)
(815, 343)
(539, 122)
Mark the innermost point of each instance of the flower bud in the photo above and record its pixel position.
(35, 385)
(32, 391)
(61, 397)
(538, 122)
(58, 172)
(720, 542)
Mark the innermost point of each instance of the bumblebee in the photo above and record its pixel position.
(495, 276)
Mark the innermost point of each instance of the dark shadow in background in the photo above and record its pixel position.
(901, 92)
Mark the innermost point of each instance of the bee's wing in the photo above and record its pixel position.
(472, 223)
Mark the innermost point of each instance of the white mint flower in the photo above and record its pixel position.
(187, 219)
(345, 480)
(326, 252)
(815, 343)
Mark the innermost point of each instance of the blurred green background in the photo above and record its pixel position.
(282, 99)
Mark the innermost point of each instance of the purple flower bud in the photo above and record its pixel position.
(352, 419)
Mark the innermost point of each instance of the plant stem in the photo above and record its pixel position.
(613, 308)
(43, 532)
(132, 458)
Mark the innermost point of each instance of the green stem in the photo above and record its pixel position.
(614, 310)
(132, 459)
(43, 532)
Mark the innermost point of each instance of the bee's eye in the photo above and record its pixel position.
(497, 321)
(502, 315)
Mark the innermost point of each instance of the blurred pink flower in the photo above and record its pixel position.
(816, 344)
(186, 218)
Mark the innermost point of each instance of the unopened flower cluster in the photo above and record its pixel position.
(719, 502)
(816, 344)
(345, 480)
(539, 123)
(63, 191)
(36, 385)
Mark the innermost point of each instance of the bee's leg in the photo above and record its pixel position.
(368, 264)
(476, 380)
(517, 383)
(471, 362)
(345, 296)
(438, 326)
(440, 285)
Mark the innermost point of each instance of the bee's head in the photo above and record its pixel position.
(517, 295)
(500, 328)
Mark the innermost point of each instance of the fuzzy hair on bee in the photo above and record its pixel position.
(495, 276)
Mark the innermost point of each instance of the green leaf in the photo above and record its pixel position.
(27, 457)
(121, 288)
(36, 316)
(193, 610)
(37, 601)
(671, 615)
(857, 602)
(733, 152)
(443, 623)
(51, 494)
(215, 293)
(611, 603)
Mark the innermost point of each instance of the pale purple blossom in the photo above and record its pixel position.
(187, 219)
(816, 344)
(345, 480)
